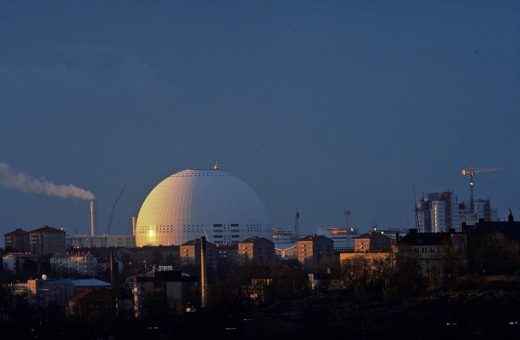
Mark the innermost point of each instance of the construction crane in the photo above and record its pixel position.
(111, 218)
(471, 173)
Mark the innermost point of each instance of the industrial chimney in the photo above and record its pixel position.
(93, 218)
(134, 224)
(203, 273)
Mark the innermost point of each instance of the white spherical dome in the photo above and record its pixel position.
(194, 203)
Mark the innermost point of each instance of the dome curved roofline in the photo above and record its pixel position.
(201, 202)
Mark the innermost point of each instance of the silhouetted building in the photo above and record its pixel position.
(259, 291)
(44, 292)
(257, 249)
(162, 292)
(493, 247)
(430, 250)
(17, 241)
(100, 304)
(47, 240)
(510, 229)
(17, 262)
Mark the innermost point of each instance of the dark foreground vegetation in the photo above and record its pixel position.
(476, 309)
(383, 299)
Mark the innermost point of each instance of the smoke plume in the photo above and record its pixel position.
(27, 183)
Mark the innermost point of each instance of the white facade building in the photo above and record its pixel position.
(84, 264)
(100, 241)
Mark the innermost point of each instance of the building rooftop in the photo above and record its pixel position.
(90, 283)
(313, 237)
(47, 229)
(255, 239)
(415, 238)
(510, 229)
(372, 235)
(17, 231)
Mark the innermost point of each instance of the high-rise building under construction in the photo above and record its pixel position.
(437, 212)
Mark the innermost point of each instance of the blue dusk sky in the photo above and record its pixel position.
(320, 105)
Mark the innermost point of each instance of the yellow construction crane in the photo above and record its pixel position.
(471, 172)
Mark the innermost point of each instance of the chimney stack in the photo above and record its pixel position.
(134, 224)
(93, 218)
(203, 273)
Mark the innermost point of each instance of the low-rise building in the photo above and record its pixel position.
(164, 292)
(189, 253)
(432, 250)
(493, 246)
(257, 249)
(372, 241)
(82, 264)
(16, 262)
(17, 241)
(44, 292)
(315, 250)
(100, 241)
(100, 304)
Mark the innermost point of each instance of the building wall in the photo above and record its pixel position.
(190, 254)
(257, 249)
(430, 256)
(82, 264)
(373, 242)
(100, 241)
(17, 241)
(47, 240)
(437, 212)
(314, 250)
(14, 261)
